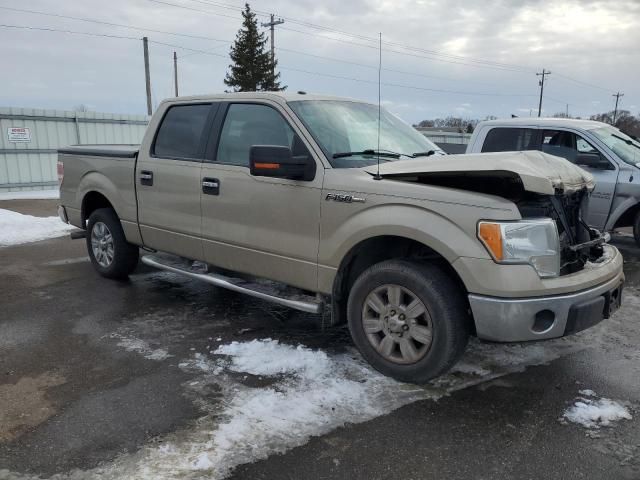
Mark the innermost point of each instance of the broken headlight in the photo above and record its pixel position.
(532, 241)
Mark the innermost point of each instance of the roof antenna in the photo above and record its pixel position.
(378, 177)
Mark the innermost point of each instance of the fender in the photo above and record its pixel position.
(408, 221)
(627, 200)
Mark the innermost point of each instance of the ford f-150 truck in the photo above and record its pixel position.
(320, 204)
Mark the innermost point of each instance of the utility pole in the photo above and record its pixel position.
(567, 110)
(541, 83)
(175, 72)
(145, 46)
(272, 24)
(615, 111)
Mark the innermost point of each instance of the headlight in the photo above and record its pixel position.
(532, 241)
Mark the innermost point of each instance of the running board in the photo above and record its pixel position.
(305, 303)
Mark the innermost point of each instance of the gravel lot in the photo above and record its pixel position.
(142, 379)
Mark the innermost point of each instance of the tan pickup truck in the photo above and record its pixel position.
(280, 196)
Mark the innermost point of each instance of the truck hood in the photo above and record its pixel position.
(538, 172)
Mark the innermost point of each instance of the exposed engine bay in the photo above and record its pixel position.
(579, 243)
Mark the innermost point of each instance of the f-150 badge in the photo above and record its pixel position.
(344, 198)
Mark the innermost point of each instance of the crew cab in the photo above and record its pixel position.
(612, 157)
(330, 206)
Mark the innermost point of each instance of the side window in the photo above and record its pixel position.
(565, 144)
(510, 139)
(246, 125)
(585, 147)
(180, 132)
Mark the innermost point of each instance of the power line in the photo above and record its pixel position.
(341, 77)
(133, 27)
(446, 57)
(68, 31)
(412, 87)
(110, 24)
(582, 82)
(372, 39)
(349, 62)
(497, 65)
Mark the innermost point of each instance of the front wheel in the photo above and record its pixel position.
(636, 228)
(409, 320)
(110, 253)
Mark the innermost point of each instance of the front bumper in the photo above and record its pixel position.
(538, 318)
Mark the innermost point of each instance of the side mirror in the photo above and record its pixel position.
(278, 161)
(593, 160)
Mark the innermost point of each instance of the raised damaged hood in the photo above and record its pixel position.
(539, 172)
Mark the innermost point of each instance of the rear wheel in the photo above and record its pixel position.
(636, 228)
(110, 253)
(409, 320)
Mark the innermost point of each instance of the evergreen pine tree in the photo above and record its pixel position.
(252, 67)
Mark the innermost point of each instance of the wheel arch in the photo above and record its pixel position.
(92, 201)
(376, 249)
(627, 217)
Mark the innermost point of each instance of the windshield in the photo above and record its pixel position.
(622, 145)
(343, 126)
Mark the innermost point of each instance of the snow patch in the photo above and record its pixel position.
(269, 357)
(587, 393)
(31, 195)
(16, 228)
(141, 347)
(311, 393)
(596, 412)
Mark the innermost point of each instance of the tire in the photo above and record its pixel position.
(445, 315)
(113, 256)
(636, 228)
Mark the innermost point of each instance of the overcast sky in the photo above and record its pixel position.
(445, 73)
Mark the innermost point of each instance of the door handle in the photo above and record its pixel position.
(211, 186)
(146, 177)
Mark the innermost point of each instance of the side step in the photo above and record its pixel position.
(305, 303)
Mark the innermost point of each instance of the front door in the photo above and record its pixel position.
(570, 145)
(267, 227)
(168, 182)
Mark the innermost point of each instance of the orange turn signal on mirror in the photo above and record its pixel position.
(491, 236)
(267, 166)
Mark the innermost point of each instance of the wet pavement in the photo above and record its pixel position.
(105, 379)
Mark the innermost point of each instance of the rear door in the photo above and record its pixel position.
(267, 227)
(168, 180)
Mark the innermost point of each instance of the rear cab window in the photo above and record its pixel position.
(180, 135)
(510, 139)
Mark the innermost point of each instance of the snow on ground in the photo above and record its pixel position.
(31, 195)
(16, 228)
(596, 412)
(141, 347)
(308, 393)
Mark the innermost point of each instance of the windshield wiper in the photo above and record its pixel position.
(423, 154)
(372, 152)
(628, 142)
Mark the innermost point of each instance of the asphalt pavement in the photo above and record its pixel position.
(106, 379)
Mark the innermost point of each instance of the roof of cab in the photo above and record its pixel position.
(277, 96)
(546, 122)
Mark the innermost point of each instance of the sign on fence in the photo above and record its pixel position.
(19, 134)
